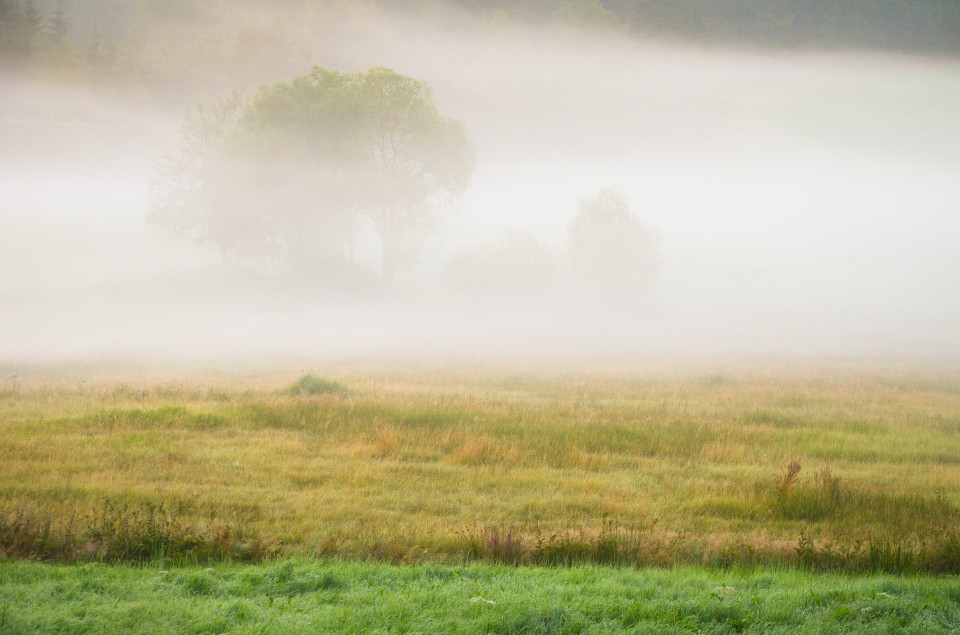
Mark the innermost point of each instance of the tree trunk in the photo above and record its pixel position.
(388, 245)
(389, 265)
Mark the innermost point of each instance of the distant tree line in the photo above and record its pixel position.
(27, 33)
(174, 49)
(146, 44)
(927, 26)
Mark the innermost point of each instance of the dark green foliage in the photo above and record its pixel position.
(311, 385)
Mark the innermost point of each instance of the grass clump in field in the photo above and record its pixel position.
(313, 385)
(826, 496)
(112, 532)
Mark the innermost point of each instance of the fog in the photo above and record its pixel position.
(797, 203)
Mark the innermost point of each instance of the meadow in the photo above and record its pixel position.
(825, 466)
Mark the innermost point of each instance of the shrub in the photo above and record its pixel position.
(311, 385)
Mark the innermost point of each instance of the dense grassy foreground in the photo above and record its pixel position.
(312, 597)
(831, 467)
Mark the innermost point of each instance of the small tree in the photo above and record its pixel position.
(180, 192)
(610, 250)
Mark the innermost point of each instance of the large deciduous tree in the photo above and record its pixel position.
(289, 175)
(419, 162)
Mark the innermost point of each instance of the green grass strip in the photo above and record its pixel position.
(308, 596)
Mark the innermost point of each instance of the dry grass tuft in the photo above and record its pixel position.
(387, 443)
(469, 453)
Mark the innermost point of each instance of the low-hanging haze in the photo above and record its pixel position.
(807, 203)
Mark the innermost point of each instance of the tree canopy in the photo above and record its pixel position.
(292, 175)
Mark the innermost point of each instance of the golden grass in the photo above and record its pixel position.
(401, 464)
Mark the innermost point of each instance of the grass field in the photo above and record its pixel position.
(338, 597)
(654, 466)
